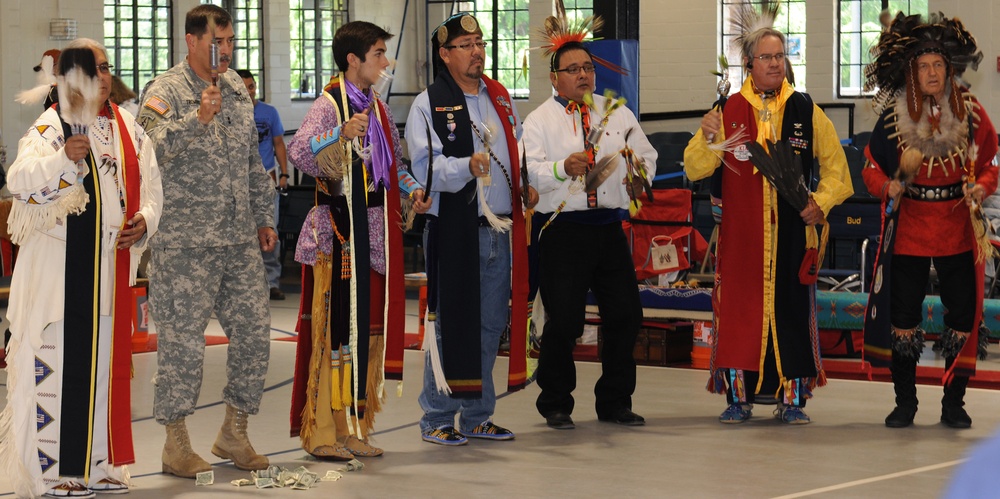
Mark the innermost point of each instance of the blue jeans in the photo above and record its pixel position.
(494, 292)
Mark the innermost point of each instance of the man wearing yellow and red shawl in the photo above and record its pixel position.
(462, 131)
(351, 250)
(930, 120)
(765, 314)
(86, 200)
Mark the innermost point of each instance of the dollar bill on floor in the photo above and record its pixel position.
(306, 481)
(353, 465)
(204, 478)
(331, 476)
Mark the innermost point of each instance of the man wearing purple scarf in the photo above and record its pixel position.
(351, 250)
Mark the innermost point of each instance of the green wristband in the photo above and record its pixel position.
(555, 171)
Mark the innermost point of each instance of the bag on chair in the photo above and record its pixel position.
(659, 234)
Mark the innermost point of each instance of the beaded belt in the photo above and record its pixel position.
(934, 192)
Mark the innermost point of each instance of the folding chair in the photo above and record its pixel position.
(660, 234)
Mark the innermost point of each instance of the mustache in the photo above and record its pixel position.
(225, 58)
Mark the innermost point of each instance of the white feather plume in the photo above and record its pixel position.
(79, 97)
(729, 145)
(499, 224)
(750, 17)
(46, 79)
(430, 346)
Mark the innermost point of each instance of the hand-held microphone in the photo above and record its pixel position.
(213, 60)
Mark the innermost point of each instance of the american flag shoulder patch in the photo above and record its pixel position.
(157, 104)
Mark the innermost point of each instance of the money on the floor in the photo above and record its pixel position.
(300, 470)
(263, 483)
(353, 465)
(305, 481)
(204, 478)
(286, 478)
(274, 470)
(331, 476)
(241, 482)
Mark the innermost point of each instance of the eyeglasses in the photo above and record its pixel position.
(105, 68)
(466, 46)
(575, 70)
(767, 58)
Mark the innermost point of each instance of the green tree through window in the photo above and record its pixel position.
(248, 25)
(137, 36)
(859, 32)
(576, 11)
(506, 30)
(313, 23)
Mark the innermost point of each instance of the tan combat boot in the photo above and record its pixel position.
(178, 457)
(233, 443)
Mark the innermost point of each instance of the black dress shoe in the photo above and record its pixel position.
(560, 421)
(623, 416)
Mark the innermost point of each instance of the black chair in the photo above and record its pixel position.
(850, 253)
(670, 159)
(670, 137)
(294, 207)
(852, 224)
(860, 140)
(413, 240)
(856, 165)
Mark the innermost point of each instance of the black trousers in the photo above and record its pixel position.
(956, 274)
(572, 259)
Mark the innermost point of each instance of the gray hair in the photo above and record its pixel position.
(87, 43)
(750, 42)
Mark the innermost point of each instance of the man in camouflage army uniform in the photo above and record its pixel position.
(218, 217)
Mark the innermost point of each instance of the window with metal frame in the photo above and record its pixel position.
(137, 37)
(791, 21)
(508, 35)
(248, 25)
(578, 10)
(859, 30)
(313, 23)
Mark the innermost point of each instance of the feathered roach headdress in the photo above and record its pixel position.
(558, 30)
(748, 22)
(906, 39)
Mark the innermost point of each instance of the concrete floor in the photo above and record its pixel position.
(681, 452)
